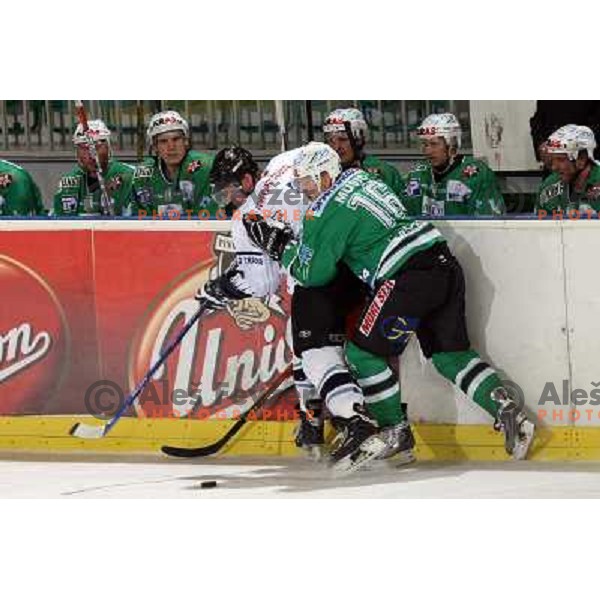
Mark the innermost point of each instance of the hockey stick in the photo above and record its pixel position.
(280, 118)
(309, 121)
(216, 446)
(140, 130)
(82, 430)
(82, 118)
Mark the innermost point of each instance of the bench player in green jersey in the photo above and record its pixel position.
(345, 130)
(19, 194)
(79, 191)
(447, 183)
(574, 184)
(176, 178)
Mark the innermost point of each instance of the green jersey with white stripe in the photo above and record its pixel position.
(361, 222)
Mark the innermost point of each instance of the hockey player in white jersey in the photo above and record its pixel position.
(320, 372)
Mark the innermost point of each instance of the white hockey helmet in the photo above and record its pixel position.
(336, 122)
(571, 140)
(97, 131)
(316, 158)
(444, 125)
(164, 122)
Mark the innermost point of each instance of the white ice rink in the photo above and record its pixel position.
(86, 477)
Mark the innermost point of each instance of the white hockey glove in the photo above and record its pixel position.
(217, 293)
(272, 236)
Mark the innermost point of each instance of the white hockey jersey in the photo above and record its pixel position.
(259, 274)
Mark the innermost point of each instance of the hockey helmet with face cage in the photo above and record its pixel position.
(96, 131)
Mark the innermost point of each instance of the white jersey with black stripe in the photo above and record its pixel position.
(259, 274)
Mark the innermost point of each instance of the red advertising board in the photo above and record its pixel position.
(87, 311)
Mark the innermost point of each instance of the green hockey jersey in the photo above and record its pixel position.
(19, 194)
(80, 194)
(469, 187)
(154, 193)
(554, 195)
(361, 222)
(384, 171)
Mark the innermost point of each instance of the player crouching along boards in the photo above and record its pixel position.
(416, 287)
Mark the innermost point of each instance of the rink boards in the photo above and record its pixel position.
(86, 303)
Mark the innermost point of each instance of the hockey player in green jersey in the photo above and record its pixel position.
(175, 180)
(448, 183)
(79, 191)
(574, 184)
(345, 130)
(19, 194)
(417, 287)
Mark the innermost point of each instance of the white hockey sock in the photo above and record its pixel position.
(326, 369)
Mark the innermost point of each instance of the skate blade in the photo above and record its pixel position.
(369, 450)
(313, 453)
(403, 458)
(525, 440)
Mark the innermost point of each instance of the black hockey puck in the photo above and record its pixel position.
(208, 484)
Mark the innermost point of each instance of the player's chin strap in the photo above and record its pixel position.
(450, 163)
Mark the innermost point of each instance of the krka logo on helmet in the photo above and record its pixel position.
(223, 362)
(33, 340)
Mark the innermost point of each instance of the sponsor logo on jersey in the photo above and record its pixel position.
(69, 204)
(305, 255)
(69, 182)
(187, 189)
(470, 171)
(594, 192)
(143, 196)
(398, 330)
(143, 171)
(552, 191)
(33, 339)
(376, 306)
(457, 191)
(194, 166)
(115, 183)
(5, 180)
(413, 187)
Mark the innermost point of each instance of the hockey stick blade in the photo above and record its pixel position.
(220, 443)
(88, 432)
(82, 430)
(204, 450)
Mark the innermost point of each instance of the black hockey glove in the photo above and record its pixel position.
(216, 293)
(272, 237)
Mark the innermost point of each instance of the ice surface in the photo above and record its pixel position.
(155, 477)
